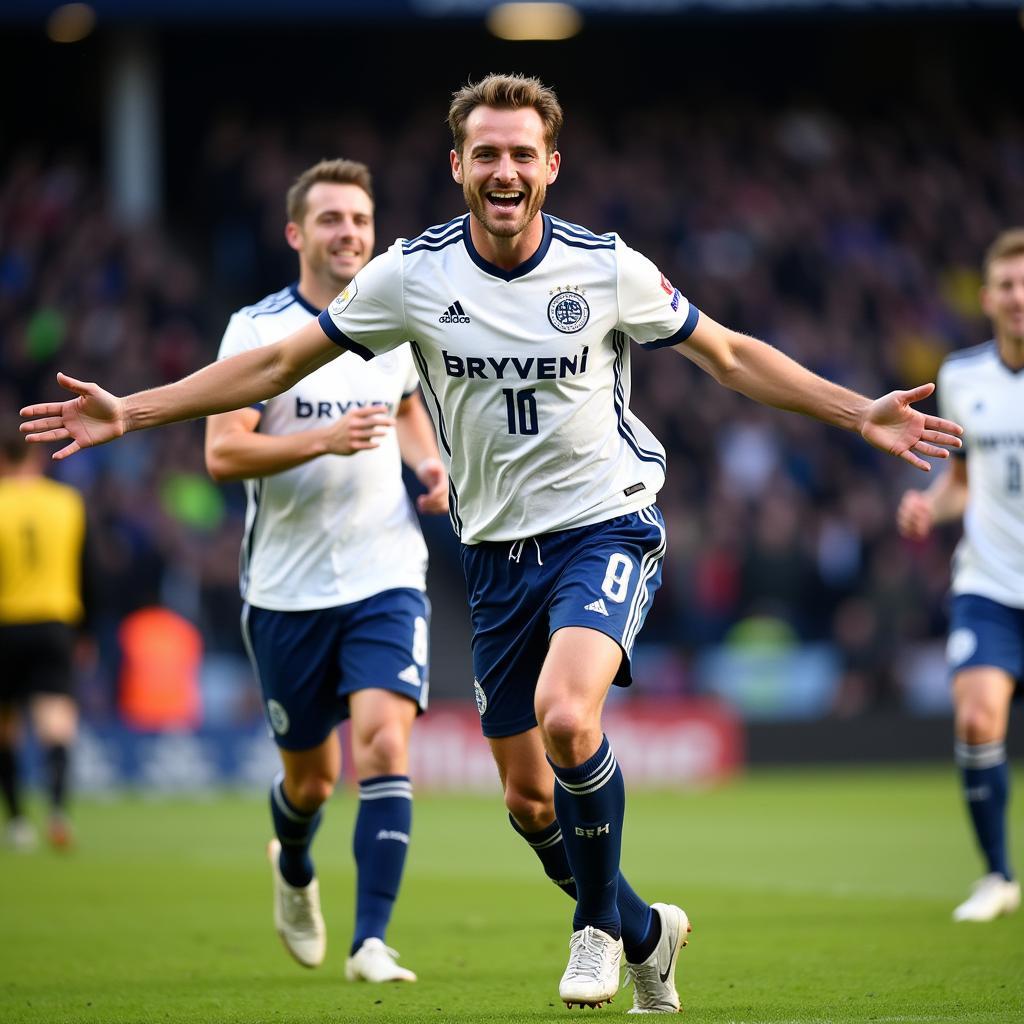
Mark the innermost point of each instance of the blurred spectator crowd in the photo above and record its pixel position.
(853, 245)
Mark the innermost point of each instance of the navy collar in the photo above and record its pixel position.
(508, 275)
(302, 300)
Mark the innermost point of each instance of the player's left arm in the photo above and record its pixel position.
(418, 446)
(761, 372)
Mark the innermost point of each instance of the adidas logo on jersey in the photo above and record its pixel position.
(410, 675)
(596, 606)
(454, 314)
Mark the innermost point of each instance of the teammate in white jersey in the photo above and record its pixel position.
(519, 326)
(333, 573)
(983, 388)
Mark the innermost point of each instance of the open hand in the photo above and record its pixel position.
(94, 417)
(892, 425)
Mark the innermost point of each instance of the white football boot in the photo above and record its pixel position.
(592, 976)
(20, 835)
(373, 961)
(654, 986)
(990, 896)
(297, 916)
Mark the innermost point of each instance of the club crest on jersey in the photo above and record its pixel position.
(568, 311)
(341, 303)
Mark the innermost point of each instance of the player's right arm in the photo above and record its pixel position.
(943, 502)
(236, 451)
(96, 416)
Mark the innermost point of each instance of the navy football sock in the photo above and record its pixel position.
(295, 830)
(550, 850)
(986, 782)
(9, 781)
(57, 775)
(641, 928)
(380, 843)
(590, 802)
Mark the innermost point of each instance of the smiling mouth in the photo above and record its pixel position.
(505, 200)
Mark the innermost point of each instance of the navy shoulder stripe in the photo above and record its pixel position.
(582, 243)
(433, 245)
(579, 231)
(432, 234)
(270, 304)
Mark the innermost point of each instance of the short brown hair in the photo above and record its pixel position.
(1009, 243)
(505, 92)
(335, 172)
(14, 449)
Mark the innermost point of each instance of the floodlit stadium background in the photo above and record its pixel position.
(824, 176)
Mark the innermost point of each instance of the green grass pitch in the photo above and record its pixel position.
(816, 897)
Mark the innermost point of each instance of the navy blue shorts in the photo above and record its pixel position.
(602, 576)
(307, 663)
(985, 632)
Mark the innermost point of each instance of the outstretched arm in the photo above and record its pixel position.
(763, 373)
(95, 416)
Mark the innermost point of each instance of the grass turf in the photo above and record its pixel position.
(816, 897)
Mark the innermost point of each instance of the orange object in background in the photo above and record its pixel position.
(161, 653)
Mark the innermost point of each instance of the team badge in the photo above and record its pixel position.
(278, 717)
(481, 698)
(962, 643)
(568, 312)
(342, 302)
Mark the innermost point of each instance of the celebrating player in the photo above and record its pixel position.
(333, 573)
(983, 387)
(520, 326)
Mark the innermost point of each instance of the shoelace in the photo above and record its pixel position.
(646, 980)
(586, 954)
(300, 908)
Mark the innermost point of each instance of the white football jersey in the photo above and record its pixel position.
(339, 528)
(526, 372)
(980, 392)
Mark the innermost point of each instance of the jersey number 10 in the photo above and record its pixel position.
(521, 410)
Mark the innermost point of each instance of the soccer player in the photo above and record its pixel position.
(521, 326)
(333, 572)
(983, 388)
(45, 579)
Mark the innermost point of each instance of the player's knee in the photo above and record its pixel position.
(308, 792)
(978, 723)
(532, 811)
(561, 724)
(383, 752)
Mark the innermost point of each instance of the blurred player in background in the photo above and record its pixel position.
(333, 573)
(520, 326)
(983, 388)
(45, 576)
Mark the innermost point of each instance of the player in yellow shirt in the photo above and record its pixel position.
(43, 574)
